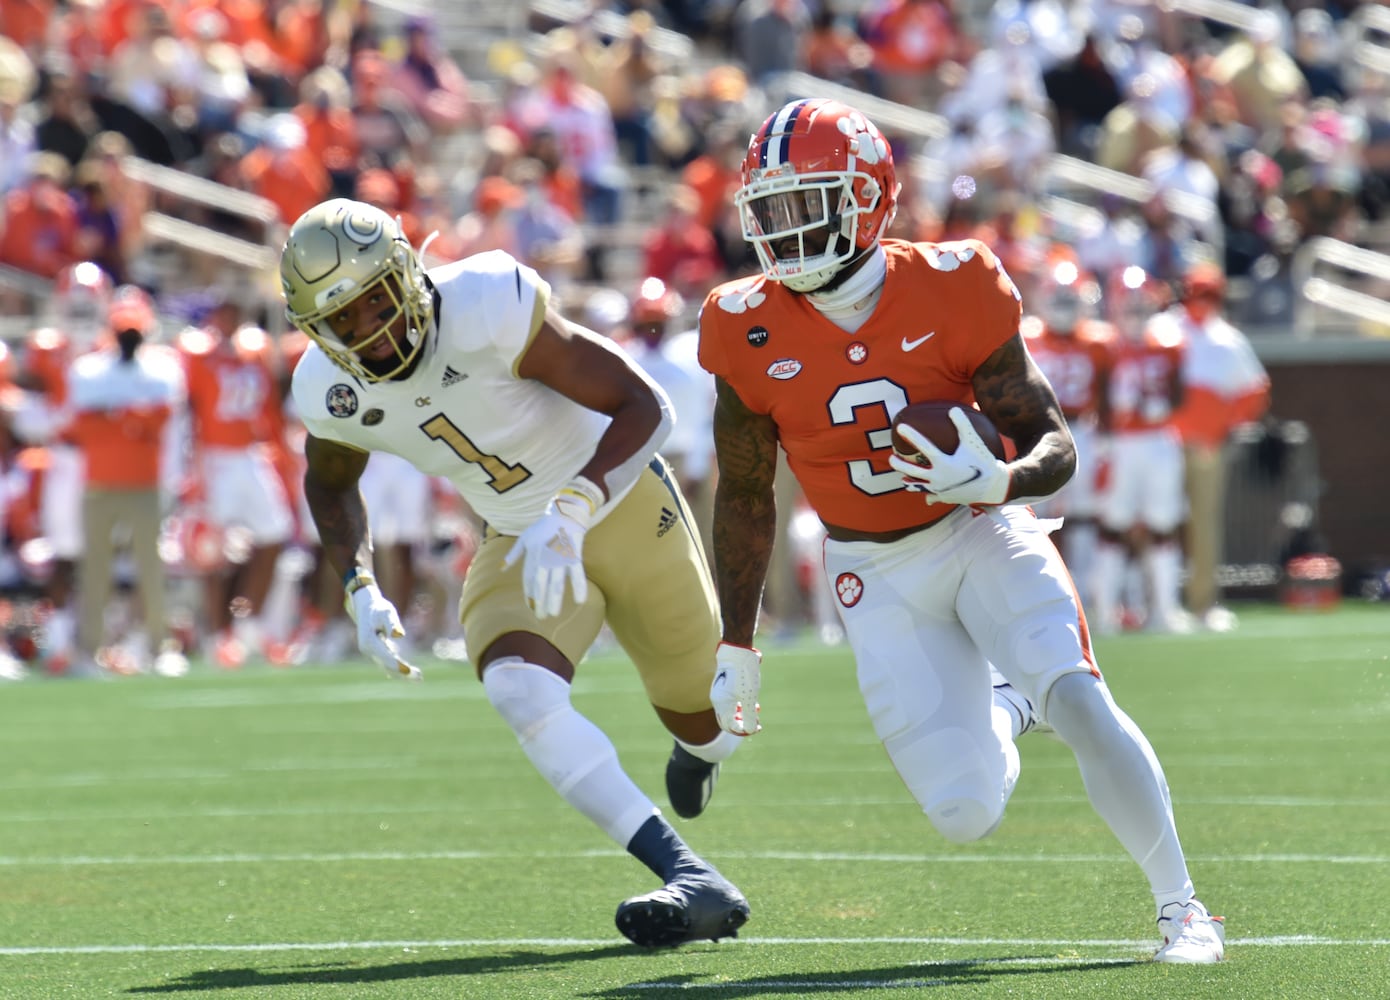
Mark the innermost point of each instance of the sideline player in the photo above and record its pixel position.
(550, 434)
(841, 331)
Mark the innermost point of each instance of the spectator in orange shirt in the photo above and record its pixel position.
(910, 39)
(716, 173)
(123, 399)
(41, 220)
(330, 131)
(284, 171)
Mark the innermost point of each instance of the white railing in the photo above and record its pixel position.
(1311, 292)
(1237, 15)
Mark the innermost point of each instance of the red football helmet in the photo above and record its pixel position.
(1133, 297)
(816, 170)
(81, 297)
(1065, 296)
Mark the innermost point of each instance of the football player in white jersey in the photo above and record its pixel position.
(550, 433)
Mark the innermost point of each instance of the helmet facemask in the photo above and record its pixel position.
(819, 211)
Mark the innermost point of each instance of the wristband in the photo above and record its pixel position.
(356, 580)
(580, 490)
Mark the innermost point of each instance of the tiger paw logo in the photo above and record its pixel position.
(849, 588)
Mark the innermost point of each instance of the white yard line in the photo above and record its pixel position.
(1292, 941)
(803, 857)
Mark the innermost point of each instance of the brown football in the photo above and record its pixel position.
(932, 419)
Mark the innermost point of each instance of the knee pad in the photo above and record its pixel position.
(961, 780)
(525, 695)
(962, 820)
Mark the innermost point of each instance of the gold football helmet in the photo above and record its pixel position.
(339, 251)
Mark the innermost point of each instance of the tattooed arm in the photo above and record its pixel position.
(745, 511)
(1017, 397)
(330, 487)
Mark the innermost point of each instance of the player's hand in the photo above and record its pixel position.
(970, 475)
(553, 549)
(734, 693)
(378, 628)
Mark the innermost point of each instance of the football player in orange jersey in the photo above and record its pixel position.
(1142, 506)
(842, 330)
(238, 426)
(1070, 348)
(76, 320)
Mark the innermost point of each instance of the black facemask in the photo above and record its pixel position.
(129, 341)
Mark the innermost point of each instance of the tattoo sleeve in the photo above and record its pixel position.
(745, 511)
(330, 489)
(1016, 396)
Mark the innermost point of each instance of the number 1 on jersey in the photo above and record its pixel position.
(501, 475)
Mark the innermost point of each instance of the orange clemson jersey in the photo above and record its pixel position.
(1073, 363)
(1142, 374)
(232, 390)
(945, 308)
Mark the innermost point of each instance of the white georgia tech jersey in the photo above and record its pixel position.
(506, 443)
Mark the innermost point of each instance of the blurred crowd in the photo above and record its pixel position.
(603, 151)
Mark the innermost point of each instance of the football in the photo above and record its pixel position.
(933, 421)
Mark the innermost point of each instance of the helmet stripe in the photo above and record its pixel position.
(779, 129)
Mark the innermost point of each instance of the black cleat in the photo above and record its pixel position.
(693, 906)
(689, 782)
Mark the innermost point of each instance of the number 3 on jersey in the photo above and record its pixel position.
(501, 476)
(843, 406)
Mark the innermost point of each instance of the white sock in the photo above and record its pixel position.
(1123, 779)
(720, 748)
(568, 750)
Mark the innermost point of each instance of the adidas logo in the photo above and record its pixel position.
(667, 522)
(451, 377)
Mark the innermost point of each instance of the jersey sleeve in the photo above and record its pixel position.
(512, 301)
(315, 378)
(989, 302)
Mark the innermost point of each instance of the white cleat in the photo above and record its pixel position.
(1191, 935)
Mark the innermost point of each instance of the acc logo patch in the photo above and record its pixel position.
(757, 336)
(372, 417)
(784, 368)
(849, 588)
(341, 400)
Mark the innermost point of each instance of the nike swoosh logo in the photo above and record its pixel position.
(912, 345)
(721, 676)
(963, 482)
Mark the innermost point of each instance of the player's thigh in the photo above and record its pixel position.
(1164, 496)
(1019, 604)
(646, 558)
(918, 669)
(493, 605)
(1082, 491)
(243, 489)
(1118, 503)
(60, 502)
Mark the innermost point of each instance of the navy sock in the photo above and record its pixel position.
(661, 849)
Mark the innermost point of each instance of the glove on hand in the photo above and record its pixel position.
(378, 626)
(970, 475)
(734, 693)
(553, 548)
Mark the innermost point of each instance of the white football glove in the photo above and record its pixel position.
(970, 475)
(378, 627)
(553, 547)
(734, 693)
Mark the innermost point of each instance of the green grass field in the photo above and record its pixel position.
(330, 833)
